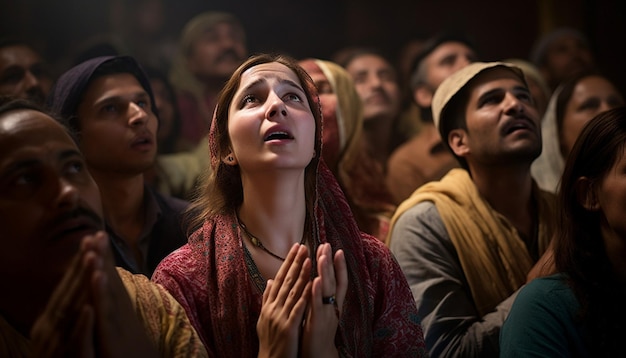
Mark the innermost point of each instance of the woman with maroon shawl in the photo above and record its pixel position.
(259, 276)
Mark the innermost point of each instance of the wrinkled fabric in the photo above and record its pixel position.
(359, 175)
(494, 257)
(209, 278)
(164, 320)
(212, 280)
(548, 167)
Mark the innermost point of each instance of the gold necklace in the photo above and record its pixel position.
(256, 242)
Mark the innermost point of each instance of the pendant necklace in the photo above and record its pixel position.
(256, 242)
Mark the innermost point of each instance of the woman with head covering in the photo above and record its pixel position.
(572, 105)
(343, 147)
(277, 261)
(580, 312)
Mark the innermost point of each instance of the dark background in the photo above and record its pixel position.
(501, 29)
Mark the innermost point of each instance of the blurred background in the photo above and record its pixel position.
(501, 29)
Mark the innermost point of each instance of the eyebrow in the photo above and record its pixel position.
(28, 163)
(499, 89)
(263, 80)
(137, 95)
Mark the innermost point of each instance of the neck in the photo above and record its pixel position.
(123, 203)
(509, 191)
(274, 208)
(377, 133)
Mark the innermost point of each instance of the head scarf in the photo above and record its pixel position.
(233, 305)
(548, 167)
(69, 89)
(357, 174)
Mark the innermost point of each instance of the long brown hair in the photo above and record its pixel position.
(580, 250)
(220, 190)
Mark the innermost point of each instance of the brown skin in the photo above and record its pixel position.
(23, 74)
(50, 208)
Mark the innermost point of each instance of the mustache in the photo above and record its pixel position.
(80, 212)
(36, 95)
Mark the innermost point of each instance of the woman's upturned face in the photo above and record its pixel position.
(270, 120)
(591, 96)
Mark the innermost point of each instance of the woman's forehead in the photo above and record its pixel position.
(265, 72)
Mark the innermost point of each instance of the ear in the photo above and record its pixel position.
(457, 139)
(586, 194)
(423, 96)
(230, 159)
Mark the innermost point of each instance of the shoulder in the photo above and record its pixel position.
(419, 218)
(546, 300)
(544, 291)
(164, 319)
(167, 202)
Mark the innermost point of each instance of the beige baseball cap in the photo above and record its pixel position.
(455, 82)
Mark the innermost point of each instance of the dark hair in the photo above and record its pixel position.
(580, 250)
(69, 90)
(221, 189)
(566, 91)
(8, 104)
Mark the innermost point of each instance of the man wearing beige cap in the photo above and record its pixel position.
(468, 242)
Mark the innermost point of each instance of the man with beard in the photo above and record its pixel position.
(468, 242)
(109, 102)
(23, 73)
(212, 45)
(63, 296)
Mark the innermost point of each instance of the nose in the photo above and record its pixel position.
(68, 195)
(376, 81)
(276, 107)
(604, 106)
(30, 80)
(137, 115)
(512, 104)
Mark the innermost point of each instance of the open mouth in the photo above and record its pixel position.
(278, 136)
(519, 124)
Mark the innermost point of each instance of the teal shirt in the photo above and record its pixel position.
(542, 322)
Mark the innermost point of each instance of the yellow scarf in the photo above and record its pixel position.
(493, 256)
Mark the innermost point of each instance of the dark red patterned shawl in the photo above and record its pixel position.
(208, 276)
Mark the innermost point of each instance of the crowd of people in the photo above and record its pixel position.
(212, 202)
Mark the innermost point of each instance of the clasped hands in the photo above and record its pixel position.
(90, 314)
(299, 316)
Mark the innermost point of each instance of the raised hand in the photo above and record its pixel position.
(284, 304)
(325, 304)
(90, 314)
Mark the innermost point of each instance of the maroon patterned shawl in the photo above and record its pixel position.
(210, 279)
